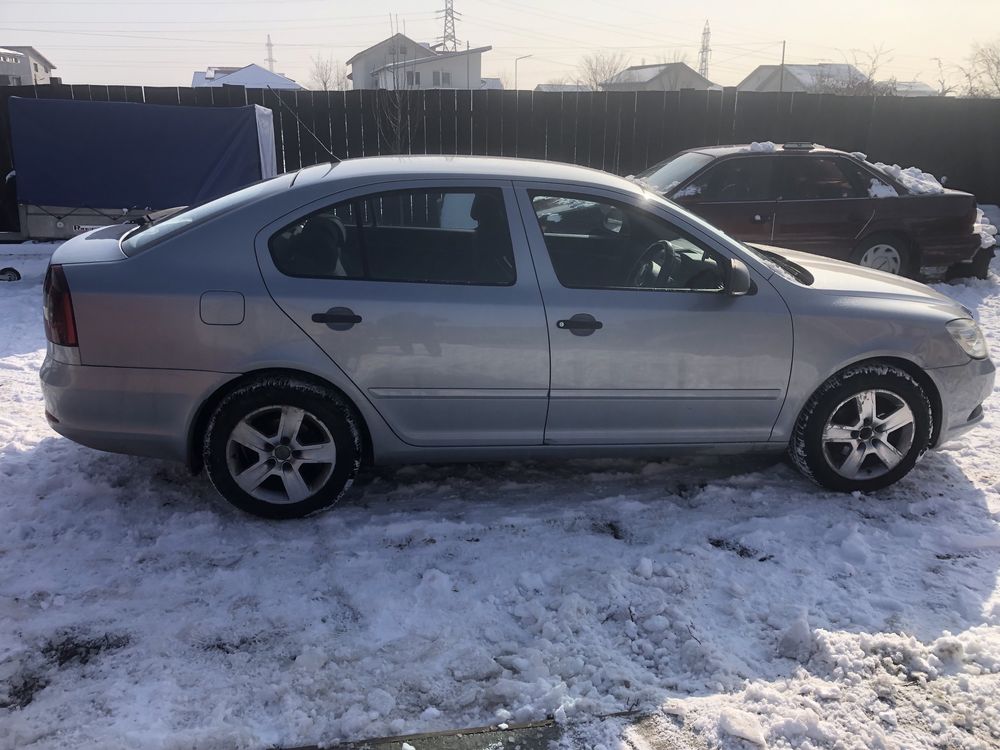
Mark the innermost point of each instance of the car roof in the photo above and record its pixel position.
(437, 167)
(779, 148)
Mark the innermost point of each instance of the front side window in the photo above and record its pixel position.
(746, 178)
(818, 178)
(427, 236)
(595, 243)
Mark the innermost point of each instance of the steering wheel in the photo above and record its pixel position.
(644, 273)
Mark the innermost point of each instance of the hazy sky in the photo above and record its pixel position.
(160, 42)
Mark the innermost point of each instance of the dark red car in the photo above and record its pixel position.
(820, 200)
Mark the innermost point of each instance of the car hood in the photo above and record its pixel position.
(847, 279)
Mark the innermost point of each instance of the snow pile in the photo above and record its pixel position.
(761, 147)
(730, 599)
(985, 229)
(879, 189)
(912, 178)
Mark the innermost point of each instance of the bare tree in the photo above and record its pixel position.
(327, 74)
(863, 80)
(598, 67)
(945, 87)
(982, 77)
(397, 112)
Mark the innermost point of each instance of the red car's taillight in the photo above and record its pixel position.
(60, 324)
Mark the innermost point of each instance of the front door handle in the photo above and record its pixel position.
(337, 318)
(581, 324)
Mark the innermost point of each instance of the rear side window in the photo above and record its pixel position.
(139, 239)
(819, 178)
(738, 179)
(424, 236)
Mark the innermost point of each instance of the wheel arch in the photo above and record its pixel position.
(912, 369)
(199, 424)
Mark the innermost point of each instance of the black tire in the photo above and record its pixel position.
(324, 409)
(806, 447)
(9, 274)
(898, 243)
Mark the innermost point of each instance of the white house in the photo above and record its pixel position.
(658, 77)
(251, 76)
(401, 63)
(822, 77)
(911, 88)
(562, 88)
(26, 66)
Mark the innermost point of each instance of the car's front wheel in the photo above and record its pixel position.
(863, 429)
(282, 448)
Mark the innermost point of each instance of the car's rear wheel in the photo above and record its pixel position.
(863, 429)
(884, 252)
(282, 448)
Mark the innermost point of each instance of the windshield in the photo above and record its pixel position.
(180, 219)
(668, 174)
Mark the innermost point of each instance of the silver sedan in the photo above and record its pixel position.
(417, 309)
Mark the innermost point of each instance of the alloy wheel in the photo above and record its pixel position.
(868, 435)
(280, 454)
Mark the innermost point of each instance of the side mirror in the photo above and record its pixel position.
(738, 281)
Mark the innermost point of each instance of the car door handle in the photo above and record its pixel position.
(337, 318)
(581, 324)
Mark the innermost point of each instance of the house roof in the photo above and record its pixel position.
(912, 88)
(10, 52)
(384, 41)
(493, 84)
(562, 87)
(808, 76)
(646, 73)
(251, 76)
(433, 58)
(31, 51)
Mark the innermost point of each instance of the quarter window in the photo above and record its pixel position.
(819, 178)
(428, 236)
(600, 244)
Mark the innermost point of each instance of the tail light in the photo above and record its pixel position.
(60, 324)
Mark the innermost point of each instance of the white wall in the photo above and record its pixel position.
(391, 50)
(465, 72)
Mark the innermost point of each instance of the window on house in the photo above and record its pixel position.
(36, 66)
(413, 78)
(446, 78)
(436, 78)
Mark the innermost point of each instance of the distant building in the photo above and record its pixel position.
(659, 77)
(401, 63)
(911, 88)
(819, 78)
(564, 88)
(25, 66)
(491, 84)
(251, 76)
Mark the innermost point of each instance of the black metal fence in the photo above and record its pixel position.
(620, 132)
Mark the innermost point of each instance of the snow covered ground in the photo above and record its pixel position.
(732, 601)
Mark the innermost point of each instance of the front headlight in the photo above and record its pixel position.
(968, 336)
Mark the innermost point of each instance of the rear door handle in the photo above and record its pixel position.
(337, 318)
(760, 218)
(581, 324)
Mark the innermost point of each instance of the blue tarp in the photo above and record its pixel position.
(112, 155)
